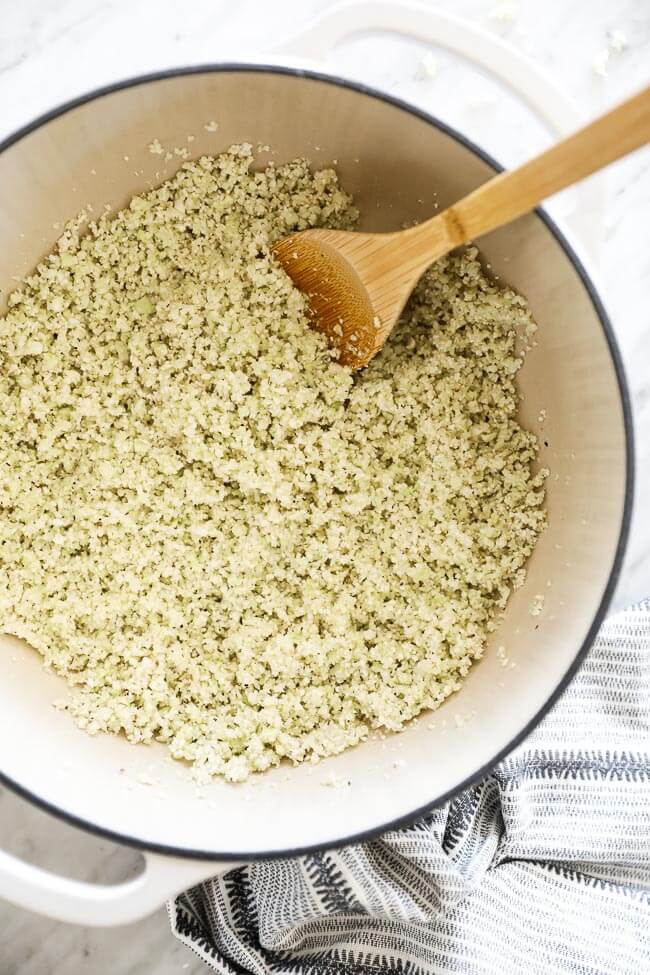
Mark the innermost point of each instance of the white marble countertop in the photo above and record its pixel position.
(52, 50)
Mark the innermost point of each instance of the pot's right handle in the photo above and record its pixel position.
(477, 45)
(102, 905)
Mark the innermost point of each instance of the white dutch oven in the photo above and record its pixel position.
(574, 374)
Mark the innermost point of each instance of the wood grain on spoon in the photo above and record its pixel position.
(357, 283)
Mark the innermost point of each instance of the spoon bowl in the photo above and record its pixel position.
(355, 287)
(358, 283)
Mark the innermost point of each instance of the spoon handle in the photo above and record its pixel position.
(517, 191)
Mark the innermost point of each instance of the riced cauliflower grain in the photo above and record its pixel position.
(221, 538)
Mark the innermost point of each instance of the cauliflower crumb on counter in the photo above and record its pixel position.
(537, 604)
(217, 535)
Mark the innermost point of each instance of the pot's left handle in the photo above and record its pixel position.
(410, 18)
(101, 905)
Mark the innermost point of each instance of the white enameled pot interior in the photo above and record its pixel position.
(399, 166)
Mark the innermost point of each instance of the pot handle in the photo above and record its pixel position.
(101, 905)
(500, 59)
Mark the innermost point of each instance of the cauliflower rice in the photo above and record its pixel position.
(217, 535)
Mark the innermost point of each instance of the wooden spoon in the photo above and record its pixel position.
(358, 283)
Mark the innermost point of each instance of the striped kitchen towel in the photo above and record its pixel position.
(543, 867)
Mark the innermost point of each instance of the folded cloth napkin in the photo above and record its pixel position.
(543, 867)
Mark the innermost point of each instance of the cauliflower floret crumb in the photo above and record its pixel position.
(217, 535)
(537, 605)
